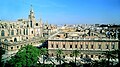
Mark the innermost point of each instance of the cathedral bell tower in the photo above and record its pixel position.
(31, 18)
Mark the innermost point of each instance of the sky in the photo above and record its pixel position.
(63, 11)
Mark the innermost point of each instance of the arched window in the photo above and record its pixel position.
(26, 31)
(17, 31)
(27, 24)
(31, 23)
(20, 31)
(12, 32)
(2, 33)
(15, 39)
(2, 26)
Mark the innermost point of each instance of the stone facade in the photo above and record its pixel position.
(91, 46)
(14, 35)
(86, 47)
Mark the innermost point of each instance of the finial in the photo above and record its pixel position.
(31, 5)
(31, 8)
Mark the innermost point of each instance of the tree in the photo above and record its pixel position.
(109, 55)
(42, 41)
(94, 63)
(75, 53)
(44, 51)
(27, 56)
(2, 51)
(59, 52)
(98, 63)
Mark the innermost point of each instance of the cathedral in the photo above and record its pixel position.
(14, 35)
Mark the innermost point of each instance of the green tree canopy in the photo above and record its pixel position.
(25, 57)
(2, 51)
(43, 51)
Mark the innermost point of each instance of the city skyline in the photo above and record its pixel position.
(63, 11)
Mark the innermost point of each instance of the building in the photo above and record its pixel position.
(14, 35)
(89, 41)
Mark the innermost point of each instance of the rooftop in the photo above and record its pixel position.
(84, 33)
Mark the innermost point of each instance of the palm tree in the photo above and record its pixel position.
(118, 53)
(75, 53)
(43, 51)
(59, 52)
(109, 55)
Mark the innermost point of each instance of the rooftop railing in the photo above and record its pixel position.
(82, 39)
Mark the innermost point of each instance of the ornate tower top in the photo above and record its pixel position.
(32, 17)
(31, 10)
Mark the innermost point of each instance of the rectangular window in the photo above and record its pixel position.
(91, 56)
(107, 46)
(113, 46)
(57, 46)
(91, 46)
(70, 46)
(81, 46)
(52, 45)
(99, 46)
(87, 46)
(63, 46)
(75, 46)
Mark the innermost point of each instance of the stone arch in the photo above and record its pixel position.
(15, 39)
(2, 33)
